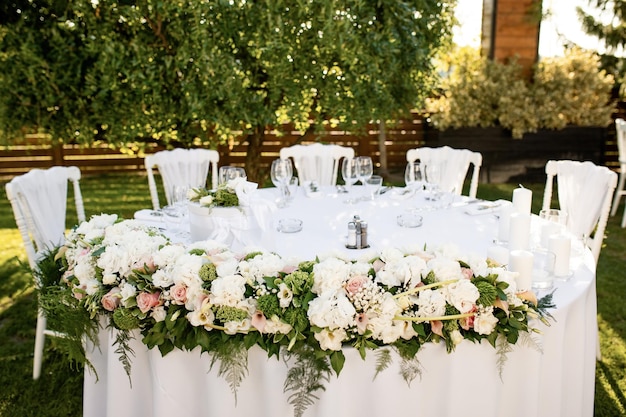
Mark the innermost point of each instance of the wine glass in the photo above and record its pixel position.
(413, 176)
(281, 172)
(227, 173)
(350, 174)
(365, 168)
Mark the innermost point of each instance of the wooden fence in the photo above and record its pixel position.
(98, 159)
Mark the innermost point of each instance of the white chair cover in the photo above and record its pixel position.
(585, 191)
(317, 162)
(39, 202)
(456, 162)
(42, 199)
(184, 167)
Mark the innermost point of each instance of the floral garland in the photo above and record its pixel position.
(203, 294)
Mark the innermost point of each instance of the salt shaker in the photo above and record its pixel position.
(351, 241)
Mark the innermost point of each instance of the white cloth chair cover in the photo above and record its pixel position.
(181, 167)
(39, 202)
(620, 129)
(585, 191)
(456, 161)
(317, 162)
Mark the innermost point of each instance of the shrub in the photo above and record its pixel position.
(478, 92)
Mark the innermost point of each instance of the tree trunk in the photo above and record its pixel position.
(382, 149)
(254, 169)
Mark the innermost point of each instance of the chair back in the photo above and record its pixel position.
(317, 162)
(620, 129)
(585, 192)
(181, 167)
(456, 161)
(39, 202)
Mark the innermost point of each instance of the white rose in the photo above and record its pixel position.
(431, 303)
(330, 274)
(462, 295)
(444, 269)
(109, 279)
(158, 313)
(456, 337)
(162, 279)
(485, 322)
(207, 200)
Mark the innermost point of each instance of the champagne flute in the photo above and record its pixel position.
(281, 172)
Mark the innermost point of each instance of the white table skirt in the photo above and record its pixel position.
(558, 381)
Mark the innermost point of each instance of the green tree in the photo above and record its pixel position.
(611, 32)
(193, 73)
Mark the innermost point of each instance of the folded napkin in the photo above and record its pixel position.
(484, 207)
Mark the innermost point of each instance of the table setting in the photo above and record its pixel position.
(397, 294)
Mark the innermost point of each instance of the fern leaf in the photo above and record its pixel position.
(410, 368)
(305, 378)
(383, 360)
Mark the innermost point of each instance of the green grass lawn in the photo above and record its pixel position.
(59, 390)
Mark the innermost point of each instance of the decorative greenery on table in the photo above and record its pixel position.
(224, 196)
(203, 294)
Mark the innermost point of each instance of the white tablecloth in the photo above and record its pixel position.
(558, 381)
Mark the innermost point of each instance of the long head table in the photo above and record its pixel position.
(555, 380)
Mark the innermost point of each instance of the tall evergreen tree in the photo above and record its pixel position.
(611, 33)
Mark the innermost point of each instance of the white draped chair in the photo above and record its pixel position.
(585, 192)
(317, 162)
(456, 162)
(181, 167)
(620, 191)
(39, 202)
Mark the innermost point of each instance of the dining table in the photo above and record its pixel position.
(550, 374)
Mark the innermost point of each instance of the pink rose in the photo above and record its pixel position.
(288, 269)
(111, 300)
(178, 292)
(145, 300)
(355, 284)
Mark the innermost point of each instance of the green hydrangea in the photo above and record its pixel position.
(227, 313)
(298, 280)
(225, 198)
(208, 272)
(297, 318)
(125, 320)
(269, 305)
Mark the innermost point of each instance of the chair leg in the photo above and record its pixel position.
(624, 218)
(619, 192)
(39, 343)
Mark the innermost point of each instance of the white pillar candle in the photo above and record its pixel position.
(522, 199)
(504, 221)
(521, 261)
(519, 231)
(561, 246)
(498, 254)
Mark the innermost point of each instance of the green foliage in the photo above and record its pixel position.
(478, 92)
(190, 72)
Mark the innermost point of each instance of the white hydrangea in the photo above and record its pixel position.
(330, 275)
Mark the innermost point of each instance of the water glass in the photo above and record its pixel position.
(365, 168)
(543, 270)
(280, 173)
(372, 186)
